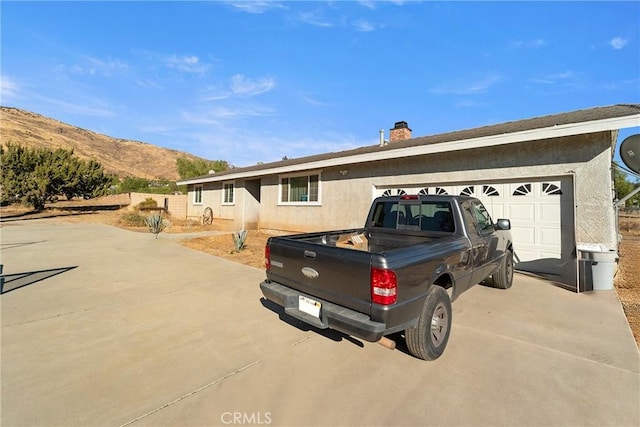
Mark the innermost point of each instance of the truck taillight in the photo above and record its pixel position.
(384, 285)
(267, 257)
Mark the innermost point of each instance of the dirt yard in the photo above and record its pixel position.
(627, 279)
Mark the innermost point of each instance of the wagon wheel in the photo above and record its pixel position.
(207, 216)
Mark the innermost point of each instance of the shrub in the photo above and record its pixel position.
(148, 203)
(132, 219)
(239, 237)
(155, 223)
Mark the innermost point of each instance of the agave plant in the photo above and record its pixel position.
(155, 223)
(239, 237)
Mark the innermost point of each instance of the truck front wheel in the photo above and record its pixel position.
(428, 338)
(503, 278)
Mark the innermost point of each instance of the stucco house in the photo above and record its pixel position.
(551, 176)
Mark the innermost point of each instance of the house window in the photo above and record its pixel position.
(523, 190)
(227, 193)
(468, 191)
(300, 189)
(551, 189)
(441, 191)
(488, 190)
(396, 192)
(197, 195)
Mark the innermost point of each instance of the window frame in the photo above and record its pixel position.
(198, 192)
(288, 177)
(224, 200)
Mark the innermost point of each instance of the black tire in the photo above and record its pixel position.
(503, 277)
(428, 338)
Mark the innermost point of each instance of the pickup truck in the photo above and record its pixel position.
(400, 272)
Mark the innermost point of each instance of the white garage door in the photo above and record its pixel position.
(541, 214)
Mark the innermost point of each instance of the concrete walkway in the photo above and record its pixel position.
(101, 326)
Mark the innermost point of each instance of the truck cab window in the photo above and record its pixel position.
(482, 217)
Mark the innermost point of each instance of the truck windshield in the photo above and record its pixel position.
(426, 216)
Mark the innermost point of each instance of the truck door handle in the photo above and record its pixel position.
(309, 254)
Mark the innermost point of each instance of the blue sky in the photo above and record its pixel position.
(251, 82)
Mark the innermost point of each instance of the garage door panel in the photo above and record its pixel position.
(524, 255)
(522, 212)
(524, 235)
(549, 212)
(549, 237)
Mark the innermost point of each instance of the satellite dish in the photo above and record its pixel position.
(630, 152)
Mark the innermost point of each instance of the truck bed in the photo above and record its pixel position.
(375, 242)
(309, 262)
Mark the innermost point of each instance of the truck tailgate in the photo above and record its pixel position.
(334, 274)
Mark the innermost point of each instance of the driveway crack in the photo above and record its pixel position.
(198, 390)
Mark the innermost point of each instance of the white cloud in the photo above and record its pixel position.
(554, 78)
(314, 19)
(243, 86)
(363, 25)
(368, 4)
(255, 7)
(92, 66)
(214, 116)
(82, 109)
(473, 88)
(467, 104)
(632, 84)
(8, 88)
(247, 147)
(528, 44)
(313, 101)
(187, 64)
(240, 86)
(240, 111)
(149, 83)
(618, 43)
(106, 65)
(216, 97)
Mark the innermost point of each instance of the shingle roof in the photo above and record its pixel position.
(580, 116)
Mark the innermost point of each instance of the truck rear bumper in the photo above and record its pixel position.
(331, 315)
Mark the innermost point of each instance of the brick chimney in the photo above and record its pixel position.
(400, 132)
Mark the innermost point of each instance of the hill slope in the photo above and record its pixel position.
(118, 156)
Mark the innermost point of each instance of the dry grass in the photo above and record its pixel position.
(629, 225)
(222, 246)
(118, 156)
(627, 281)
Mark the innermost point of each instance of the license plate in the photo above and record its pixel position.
(309, 306)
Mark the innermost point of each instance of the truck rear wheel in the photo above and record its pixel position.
(428, 338)
(503, 277)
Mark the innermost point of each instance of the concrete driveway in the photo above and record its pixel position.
(102, 326)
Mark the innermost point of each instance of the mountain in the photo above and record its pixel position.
(121, 157)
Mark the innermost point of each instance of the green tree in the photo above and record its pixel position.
(134, 184)
(37, 176)
(141, 185)
(623, 186)
(197, 167)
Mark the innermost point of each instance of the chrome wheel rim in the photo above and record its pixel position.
(439, 324)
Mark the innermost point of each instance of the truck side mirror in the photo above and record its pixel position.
(503, 224)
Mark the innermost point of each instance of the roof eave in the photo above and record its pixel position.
(557, 131)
